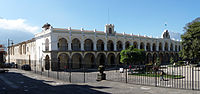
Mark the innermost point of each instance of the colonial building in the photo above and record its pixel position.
(56, 48)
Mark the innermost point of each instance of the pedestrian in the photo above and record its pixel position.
(161, 76)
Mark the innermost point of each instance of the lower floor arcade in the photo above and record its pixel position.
(76, 60)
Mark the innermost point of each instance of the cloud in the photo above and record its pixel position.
(175, 35)
(18, 24)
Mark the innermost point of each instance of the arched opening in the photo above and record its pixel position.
(171, 47)
(167, 58)
(179, 48)
(119, 46)
(76, 45)
(166, 46)
(47, 62)
(176, 57)
(154, 57)
(63, 61)
(110, 45)
(148, 47)
(76, 61)
(176, 48)
(141, 45)
(100, 45)
(161, 58)
(47, 44)
(154, 47)
(127, 44)
(149, 58)
(88, 45)
(111, 59)
(135, 44)
(89, 60)
(118, 59)
(101, 59)
(160, 46)
(62, 44)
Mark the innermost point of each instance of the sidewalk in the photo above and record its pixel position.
(106, 86)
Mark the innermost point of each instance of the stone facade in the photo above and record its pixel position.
(56, 48)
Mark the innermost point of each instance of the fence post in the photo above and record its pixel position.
(84, 72)
(155, 78)
(126, 75)
(70, 71)
(192, 78)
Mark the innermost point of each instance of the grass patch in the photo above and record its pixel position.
(157, 75)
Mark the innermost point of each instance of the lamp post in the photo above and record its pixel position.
(9, 49)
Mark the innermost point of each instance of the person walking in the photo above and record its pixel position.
(161, 76)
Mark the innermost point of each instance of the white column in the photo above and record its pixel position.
(95, 45)
(105, 45)
(69, 43)
(163, 46)
(138, 45)
(82, 45)
(145, 46)
(151, 47)
(157, 46)
(115, 45)
(123, 45)
(169, 46)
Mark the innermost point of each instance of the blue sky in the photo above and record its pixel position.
(144, 17)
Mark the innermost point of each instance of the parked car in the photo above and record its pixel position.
(26, 67)
(13, 65)
(7, 65)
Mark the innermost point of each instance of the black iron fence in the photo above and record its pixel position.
(183, 77)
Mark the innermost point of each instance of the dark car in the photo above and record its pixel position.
(26, 67)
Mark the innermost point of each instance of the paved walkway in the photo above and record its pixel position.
(44, 84)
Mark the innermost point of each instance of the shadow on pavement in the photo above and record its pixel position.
(27, 85)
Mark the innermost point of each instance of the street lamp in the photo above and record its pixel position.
(9, 49)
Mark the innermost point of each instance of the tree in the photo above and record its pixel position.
(171, 60)
(132, 55)
(191, 41)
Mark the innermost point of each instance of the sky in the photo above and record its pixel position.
(21, 19)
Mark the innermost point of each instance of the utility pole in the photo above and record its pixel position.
(9, 49)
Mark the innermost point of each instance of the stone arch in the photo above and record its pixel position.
(176, 48)
(47, 62)
(160, 46)
(176, 56)
(76, 61)
(166, 46)
(127, 44)
(161, 58)
(62, 44)
(100, 45)
(149, 58)
(154, 47)
(110, 45)
(47, 44)
(119, 45)
(111, 59)
(118, 59)
(88, 45)
(101, 59)
(76, 44)
(63, 61)
(141, 45)
(171, 47)
(154, 57)
(89, 60)
(135, 44)
(148, 47)
(167, 58)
